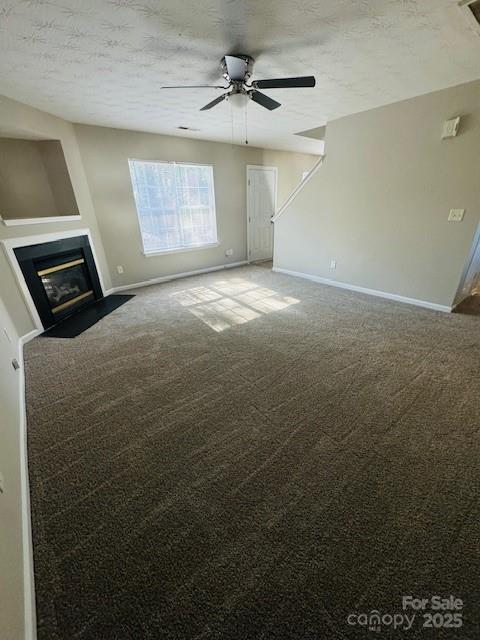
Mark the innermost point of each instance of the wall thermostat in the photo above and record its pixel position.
(450, 128)
(456, 215)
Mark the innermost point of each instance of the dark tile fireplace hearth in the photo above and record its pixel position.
(61, 276)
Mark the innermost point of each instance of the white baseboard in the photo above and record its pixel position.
(28, 574)
(175, 276)
(371, 292)
(30, 336)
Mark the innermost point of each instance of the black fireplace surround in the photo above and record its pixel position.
(61, 276)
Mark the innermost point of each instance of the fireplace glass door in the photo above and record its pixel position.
(66, 284)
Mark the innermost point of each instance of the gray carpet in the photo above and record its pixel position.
(246, 455)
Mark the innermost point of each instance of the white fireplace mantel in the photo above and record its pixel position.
(15, 222)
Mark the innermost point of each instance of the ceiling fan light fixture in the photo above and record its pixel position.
(238, 100)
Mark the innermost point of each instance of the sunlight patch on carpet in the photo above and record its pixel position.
(228, 303)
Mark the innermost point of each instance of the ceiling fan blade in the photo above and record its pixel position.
(264, 100)
(236, 68)
(285, 83)
(195, 86)
(214, 102)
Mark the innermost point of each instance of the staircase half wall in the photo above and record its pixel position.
(377, 209)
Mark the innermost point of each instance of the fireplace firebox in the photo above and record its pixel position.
(61, 277)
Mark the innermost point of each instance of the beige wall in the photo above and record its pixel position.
(59, 179)
(105, 154)
(11, 549)
(23, 121)
(24, 185)
(380, 202)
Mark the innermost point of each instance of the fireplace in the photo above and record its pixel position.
(61, 277)
(66, 285)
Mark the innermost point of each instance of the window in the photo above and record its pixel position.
(175, 205)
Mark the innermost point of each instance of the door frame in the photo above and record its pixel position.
(264, 168)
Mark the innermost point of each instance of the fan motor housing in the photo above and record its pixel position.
(246, 71)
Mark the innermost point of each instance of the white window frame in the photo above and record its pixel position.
(159, 252)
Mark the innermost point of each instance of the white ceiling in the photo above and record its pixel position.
(102, 61)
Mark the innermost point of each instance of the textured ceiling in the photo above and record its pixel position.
(103, 61)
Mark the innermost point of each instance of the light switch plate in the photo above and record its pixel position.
(456, 215)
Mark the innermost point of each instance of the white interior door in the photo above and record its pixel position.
(261, 202)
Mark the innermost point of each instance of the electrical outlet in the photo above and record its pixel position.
(456, 215)
(119, 269)
(229, 252)
(333, 264)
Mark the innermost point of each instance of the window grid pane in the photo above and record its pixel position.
(175, 204)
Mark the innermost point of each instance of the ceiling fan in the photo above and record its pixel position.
(237, 71)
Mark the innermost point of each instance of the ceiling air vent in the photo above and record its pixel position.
(471, 9)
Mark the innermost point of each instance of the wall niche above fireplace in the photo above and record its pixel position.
(61, 277)
(35, 183)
